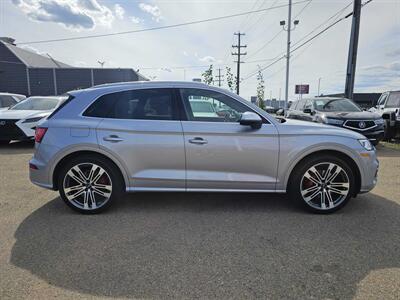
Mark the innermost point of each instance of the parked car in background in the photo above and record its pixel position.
(341, 112)
(388, 107)
(7, 100)
(19, 121)
(149, 136)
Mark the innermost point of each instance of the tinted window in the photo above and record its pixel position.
(336, 105)
(6, 101)
(211, 106)
(149, 104)
(394, 100)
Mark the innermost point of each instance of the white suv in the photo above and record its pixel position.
(388, 106)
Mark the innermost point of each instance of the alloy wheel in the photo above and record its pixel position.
(325, 186)
(87, 186)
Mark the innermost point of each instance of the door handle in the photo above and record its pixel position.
(113, 139)
(198, 141)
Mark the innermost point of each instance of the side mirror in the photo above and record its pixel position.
(307, 111)
(251, 119)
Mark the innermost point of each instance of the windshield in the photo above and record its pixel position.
(37, 103)
(336, 105)
(203, 107)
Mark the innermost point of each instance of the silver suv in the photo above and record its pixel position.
(155, 136)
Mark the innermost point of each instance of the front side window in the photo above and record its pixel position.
(394, 100)
(308, 105)
(211, 106)
(300, 105)
(147, 104)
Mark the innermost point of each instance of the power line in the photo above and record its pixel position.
(159, 27)
(306, 42)
(279, 32)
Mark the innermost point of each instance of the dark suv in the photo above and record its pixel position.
(340, 112)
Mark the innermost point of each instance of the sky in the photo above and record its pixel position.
(183, 53)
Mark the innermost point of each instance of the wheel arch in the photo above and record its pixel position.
(335, 153)
(73, 154)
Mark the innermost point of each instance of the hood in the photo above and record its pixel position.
(357, 115)
(305, 127)
(10, 114)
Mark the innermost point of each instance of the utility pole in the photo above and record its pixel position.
(319, 86)
(352, 58)
(288, 28)
(238, 61)
(219, 77)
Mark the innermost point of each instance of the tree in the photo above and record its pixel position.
(230, 80)
(260, 89)
(208, 75)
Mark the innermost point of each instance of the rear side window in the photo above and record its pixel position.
(148, 104)
(393, 101)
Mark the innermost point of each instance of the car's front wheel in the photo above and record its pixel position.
(89, 184)
(322, 184)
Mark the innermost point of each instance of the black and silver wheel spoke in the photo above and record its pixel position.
(87, 186)
(325, 186)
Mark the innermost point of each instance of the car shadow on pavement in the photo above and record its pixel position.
(171, 245)
(22, 147)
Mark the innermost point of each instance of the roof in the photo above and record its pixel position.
(34, 60)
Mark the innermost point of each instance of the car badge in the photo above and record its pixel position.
(362, 125)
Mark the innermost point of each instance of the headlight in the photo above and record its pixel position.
(366, 144)
(379, 121)
(332, 121)
(31, 120)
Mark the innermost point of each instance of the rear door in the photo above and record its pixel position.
(142, 129)
(221, 154)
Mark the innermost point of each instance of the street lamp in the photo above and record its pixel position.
(288, 28)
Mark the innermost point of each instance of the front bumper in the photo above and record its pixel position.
(370, 171)
(9, 130)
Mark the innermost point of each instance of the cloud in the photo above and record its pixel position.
(185, 53)
(394, 53)
(153, 10)
(119, 11)
(208, 59)
(135, 20)
(72, 14)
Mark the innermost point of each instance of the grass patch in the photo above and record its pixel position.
(395, 146)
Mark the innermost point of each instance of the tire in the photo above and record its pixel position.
(89, 177)
(4, 143)
(306, 188)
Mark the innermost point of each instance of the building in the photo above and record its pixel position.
(31, 74)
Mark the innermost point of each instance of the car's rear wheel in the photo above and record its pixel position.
(322, 184)
(89, 184)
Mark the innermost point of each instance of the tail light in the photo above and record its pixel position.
(39, 134)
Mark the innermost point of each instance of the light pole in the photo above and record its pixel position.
(288, 28)
(319, 85)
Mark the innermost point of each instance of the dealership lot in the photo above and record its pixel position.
(171, 245)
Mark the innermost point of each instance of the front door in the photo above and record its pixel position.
(221, 154)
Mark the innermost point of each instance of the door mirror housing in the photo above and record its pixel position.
(307, 111)
(249, 118)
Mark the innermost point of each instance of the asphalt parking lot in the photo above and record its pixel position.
(160, 245)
